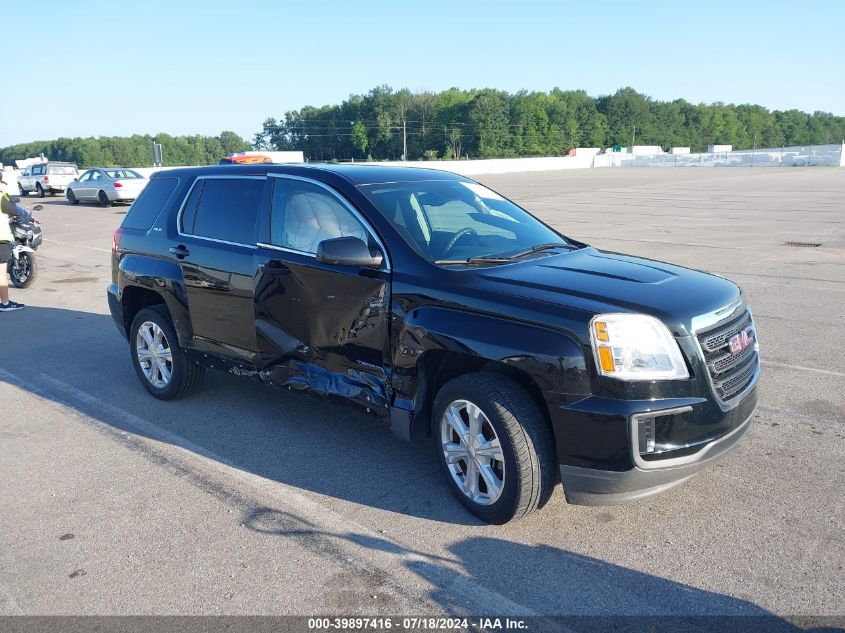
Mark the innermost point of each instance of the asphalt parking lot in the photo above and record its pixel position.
(248, 500)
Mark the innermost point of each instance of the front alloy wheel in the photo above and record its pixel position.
(472, 452)
(495, 446)
(154, 354)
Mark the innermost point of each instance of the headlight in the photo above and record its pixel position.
(635, 347)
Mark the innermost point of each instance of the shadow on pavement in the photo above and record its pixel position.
(338, 452)
(590, 595)
(301, 441)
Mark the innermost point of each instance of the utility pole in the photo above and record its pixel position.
(633, 139)
(404, 141)
(754, 151)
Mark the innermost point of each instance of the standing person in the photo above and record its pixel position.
(7, 211)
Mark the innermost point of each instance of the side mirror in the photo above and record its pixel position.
(348, 251)
(37, 207)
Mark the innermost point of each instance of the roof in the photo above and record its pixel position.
(356, 174)
(362, 174)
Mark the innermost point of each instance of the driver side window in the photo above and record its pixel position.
(304, 214)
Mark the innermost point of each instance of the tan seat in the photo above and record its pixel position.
(311, 218)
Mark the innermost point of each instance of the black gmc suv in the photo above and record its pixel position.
(449, 312)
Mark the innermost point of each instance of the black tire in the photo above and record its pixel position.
(104, 199)
(39, 189)
(22, 191)
(71, 197)
(185, 374)
(25, 274)
(524, 434)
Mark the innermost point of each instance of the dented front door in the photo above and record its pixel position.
(323, 327)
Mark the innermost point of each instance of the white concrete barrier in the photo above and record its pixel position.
(498, 165)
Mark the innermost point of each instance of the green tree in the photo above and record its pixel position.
(359, 138)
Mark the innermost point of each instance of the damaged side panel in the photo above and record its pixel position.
(553, 361)
(324, 329)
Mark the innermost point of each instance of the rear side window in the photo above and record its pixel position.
(149, 204)
(224, 209)
(62, 170)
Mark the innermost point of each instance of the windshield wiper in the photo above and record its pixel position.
(471, 260)
(507, 257)
(529, 251)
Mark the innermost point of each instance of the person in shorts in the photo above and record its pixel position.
(8, 210)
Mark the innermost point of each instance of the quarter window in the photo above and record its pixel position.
(305, 214)
(224, 209)
(149, 204)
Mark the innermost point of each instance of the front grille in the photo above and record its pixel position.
(730, 373)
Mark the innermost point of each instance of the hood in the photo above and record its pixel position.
(597, 281)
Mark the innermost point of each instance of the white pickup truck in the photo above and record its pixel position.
(47, 178)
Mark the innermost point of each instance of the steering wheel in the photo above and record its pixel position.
(456, 238)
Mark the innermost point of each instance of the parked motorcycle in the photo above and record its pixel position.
(22, 267)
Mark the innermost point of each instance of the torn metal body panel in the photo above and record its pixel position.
(323, 329)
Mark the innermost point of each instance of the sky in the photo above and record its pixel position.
(90, 68)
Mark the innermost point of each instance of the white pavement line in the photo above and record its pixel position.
(90, 248)
(826, 372)
(480, 598)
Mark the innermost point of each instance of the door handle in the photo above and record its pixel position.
(274, 269)
(180, 251)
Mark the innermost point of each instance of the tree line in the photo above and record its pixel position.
(384, 124)
(130, 151)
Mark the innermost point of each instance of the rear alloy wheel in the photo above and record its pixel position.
(71, 197)
(495, 446)
(162, 366)
(104, 199)
(40, 190)
(154, 354)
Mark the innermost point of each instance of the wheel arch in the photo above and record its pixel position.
(147, 281)
(441, 366)
(435, 345)
(136, 298)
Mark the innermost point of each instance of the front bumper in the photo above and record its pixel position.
(584, 485)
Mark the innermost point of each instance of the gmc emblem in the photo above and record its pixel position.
(742, 340)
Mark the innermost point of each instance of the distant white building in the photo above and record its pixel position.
(719, 149)
(679, 150)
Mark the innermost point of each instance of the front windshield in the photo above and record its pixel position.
(452, 221)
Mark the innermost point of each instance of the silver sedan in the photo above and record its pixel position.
(106, 185)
